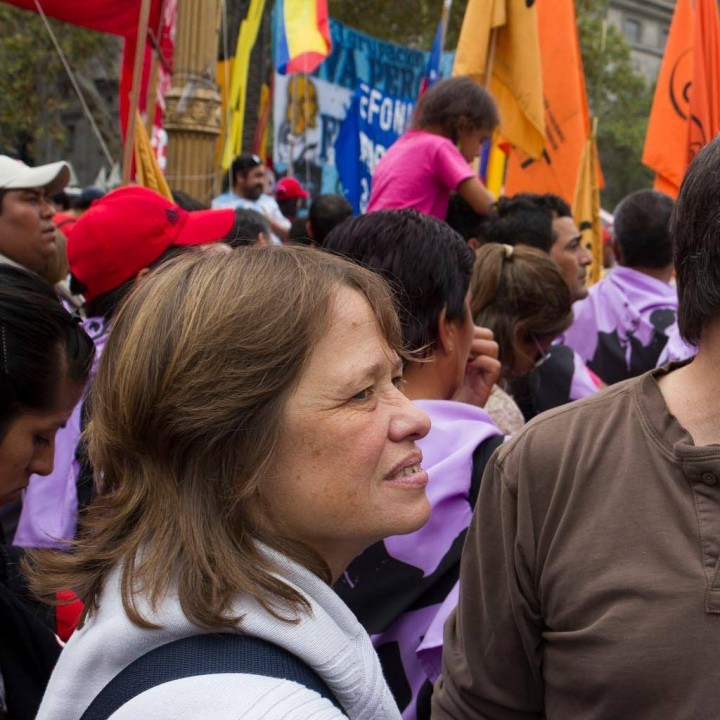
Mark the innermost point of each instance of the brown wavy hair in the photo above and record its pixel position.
(516, 288)
(187, 410)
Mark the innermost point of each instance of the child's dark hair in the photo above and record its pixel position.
(446, 102)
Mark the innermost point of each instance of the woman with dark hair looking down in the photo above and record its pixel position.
(44, 360)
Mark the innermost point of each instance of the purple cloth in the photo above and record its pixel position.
(623, 327)
(404, 586)
(50, 504)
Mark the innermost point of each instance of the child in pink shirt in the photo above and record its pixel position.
(431, 160)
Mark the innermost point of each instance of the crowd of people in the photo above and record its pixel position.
(265, 459)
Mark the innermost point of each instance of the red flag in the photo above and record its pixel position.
(117, 17)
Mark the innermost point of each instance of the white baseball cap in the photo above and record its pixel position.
(16, 175)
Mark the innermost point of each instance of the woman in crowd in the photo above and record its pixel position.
(44, 361)
(519, 293)
(117, 241)
(402, 588)
(252, 439)
(432, 160)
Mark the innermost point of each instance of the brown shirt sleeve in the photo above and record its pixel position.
(492, 646)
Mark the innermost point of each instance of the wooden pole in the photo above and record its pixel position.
(447, 5)
(135, 93)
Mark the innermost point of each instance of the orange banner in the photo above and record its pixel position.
(666, 150)
(705, 97)
(566, 110)
(499, 37)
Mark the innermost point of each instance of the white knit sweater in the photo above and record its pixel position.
(331, 641)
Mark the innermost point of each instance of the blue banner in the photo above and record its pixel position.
(380, 81)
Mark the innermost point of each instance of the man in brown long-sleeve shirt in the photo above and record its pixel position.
(590, 580)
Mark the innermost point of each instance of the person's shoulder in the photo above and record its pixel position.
(565, 433)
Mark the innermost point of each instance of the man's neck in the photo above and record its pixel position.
(691, 391)
(663, 274)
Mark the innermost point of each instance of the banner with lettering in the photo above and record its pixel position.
(371, 83)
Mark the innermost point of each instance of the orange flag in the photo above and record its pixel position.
(586, 203)
(686, 106)
(705, 98)
(499, 38)
(147, 171)
(567, 122)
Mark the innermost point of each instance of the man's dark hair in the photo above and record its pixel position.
(526, 219)
(695, 232)
(426, 262)
(246, 228)
(464, 220)
(2, 197)
(299, 235)
(642, 229)
(41, 343)
(243, 163)
(327, 211)
(187, 201)
(106, 305)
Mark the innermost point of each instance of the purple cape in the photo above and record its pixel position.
(403, 587)
(623, 327)
(50, 504)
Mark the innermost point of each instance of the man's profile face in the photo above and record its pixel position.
(27, 233)
(570, 255)
(252, 185)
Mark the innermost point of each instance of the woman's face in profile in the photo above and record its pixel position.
(28, 445)
(348, 471)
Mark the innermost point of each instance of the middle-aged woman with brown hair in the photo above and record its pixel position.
(252, 440)
(519, 293)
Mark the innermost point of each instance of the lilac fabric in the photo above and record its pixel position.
(50, 504)
(623, 327)
(403, 586)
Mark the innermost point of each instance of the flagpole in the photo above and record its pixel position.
(444, 17)
(135, 93)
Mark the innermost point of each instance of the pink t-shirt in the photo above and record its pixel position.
(418, 171)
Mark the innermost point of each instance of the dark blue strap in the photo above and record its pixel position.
(204, 655)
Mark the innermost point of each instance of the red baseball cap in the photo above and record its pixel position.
(130, 228)
(289, 188)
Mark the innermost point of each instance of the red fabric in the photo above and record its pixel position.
(68, 614)
(117, 17)
(102, 254)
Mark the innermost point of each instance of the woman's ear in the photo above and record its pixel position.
(447, 330)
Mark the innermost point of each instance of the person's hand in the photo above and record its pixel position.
(482, 370)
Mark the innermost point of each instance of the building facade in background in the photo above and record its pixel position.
(644, 24)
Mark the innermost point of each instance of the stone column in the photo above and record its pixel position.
(193, 105)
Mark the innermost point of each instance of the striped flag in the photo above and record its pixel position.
(301, 35)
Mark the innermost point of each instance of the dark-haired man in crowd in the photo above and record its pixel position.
(248, 174)
(590, 580)
(546, 223)
(326, 212)
(623, 327)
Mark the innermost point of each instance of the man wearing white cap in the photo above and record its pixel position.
(27, 233)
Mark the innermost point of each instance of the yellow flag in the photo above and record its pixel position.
(500, 38)
(497, 163)
(586, 206)
(238, 81)
(147, 171)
